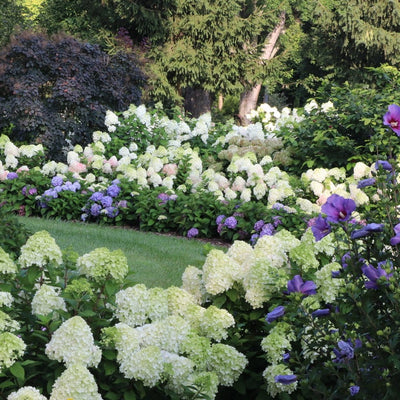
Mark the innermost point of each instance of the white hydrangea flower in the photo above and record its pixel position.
(219, 271)
(358, 195)
(167, 334)
(148, 366)
(307, 206)
(311, 105)
(6, 299)
(40, 249)
(102, 264)
(278, 342)
(192, 282)
(246, 195)
(10, 149)
(11, 348)
(11, 161)
(179, 300)
(215, 322)
(361, 170)
(132, 305)
(273, 387)
(227, 363)
(76, 383)
(99, 136)
(304, 256)
(328, 287)
(7, 265)
(46, 300)
(73, 343)
(26, 393)
(260, 190)
(262, 281)
(177, 371)
(7, 323)
(243, 254)
(49, 169)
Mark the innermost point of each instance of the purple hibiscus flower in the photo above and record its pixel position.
(345, 351)
(297, 285)
(338, 209)
(286, 379)
(395, 239)
(383, 164)
(392, 118)
(374, 274)
(275, 313)
(354, 389)
(321, 312)
(366, 182)
(367, 230)
(320, 227)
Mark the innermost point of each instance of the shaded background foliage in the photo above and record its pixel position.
(56, 91)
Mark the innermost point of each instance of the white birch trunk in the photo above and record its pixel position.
(249, 98)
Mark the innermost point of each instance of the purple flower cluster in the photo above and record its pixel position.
(58, 186)
(104, 202)
(192, 232)
(12, 175)
(262, 228)
(164, 198)
(28, 191)
(225, 222)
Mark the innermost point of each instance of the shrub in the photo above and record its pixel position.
(56, 90)
(348, 132)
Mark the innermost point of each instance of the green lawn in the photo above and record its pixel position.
(156, 260)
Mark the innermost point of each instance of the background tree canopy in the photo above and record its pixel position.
(211, 49)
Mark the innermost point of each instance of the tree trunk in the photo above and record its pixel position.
(197, 101)
(249, 98)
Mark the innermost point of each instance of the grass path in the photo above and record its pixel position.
(156, 260)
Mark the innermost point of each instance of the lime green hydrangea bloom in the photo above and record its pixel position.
(278, 342)
(76, 383)
(7, 323)
(227, 363)
(26, 393)
(73, 343)
(40, 249)
(11, 348)
(7, 265)
(273, 387)
(328, 287)
(102, 264)
(46, 300)
(192, 282)
(304, 256)
(215, 322)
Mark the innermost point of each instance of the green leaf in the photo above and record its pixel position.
(18, 371)
(129, 395)
(219, 301)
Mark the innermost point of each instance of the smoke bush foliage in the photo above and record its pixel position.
(55, 90)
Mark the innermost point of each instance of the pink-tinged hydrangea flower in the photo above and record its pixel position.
(338, 209)
(392, 118)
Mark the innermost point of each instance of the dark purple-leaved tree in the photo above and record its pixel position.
(57, 90)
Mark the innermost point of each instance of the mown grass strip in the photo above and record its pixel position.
(156, 260)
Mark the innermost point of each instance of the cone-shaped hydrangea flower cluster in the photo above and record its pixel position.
(40, 249)
(102, 264)
(158, 344)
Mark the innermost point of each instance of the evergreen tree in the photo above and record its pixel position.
(344, 36)
(11, 15)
